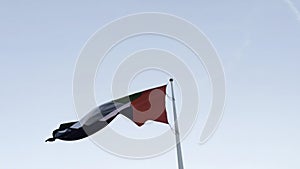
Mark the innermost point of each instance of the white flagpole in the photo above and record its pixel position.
(178, 146)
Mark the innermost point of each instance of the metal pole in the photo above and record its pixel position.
(178, 146)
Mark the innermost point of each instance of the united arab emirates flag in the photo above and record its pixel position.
(138, 107)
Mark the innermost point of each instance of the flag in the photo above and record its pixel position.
(138, 107)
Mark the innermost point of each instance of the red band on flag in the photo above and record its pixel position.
(150, 106)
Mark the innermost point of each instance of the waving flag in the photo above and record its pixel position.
(138, 107)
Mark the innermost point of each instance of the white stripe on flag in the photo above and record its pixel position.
(90, 118)
(76, 125)
(115, 112)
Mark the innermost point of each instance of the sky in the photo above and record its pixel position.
(257, 43)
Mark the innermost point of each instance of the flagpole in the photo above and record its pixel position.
(178, 146)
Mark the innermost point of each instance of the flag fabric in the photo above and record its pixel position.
(138, 107)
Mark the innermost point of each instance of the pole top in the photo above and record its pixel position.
(171, 79)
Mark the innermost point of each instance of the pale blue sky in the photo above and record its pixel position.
(257, 41)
